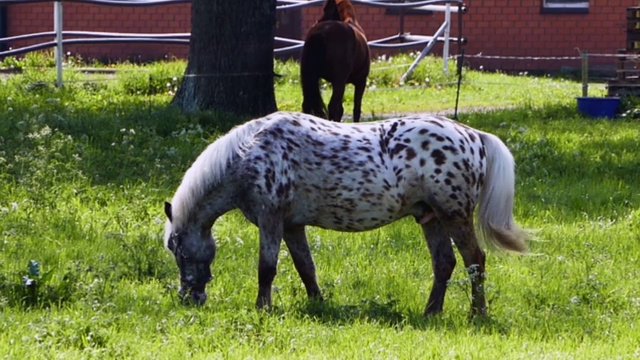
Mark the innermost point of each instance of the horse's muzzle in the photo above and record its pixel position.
(195, 295)
(193, 281)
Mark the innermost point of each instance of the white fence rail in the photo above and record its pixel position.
(401, 40)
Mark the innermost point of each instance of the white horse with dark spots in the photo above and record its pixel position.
(289, 170)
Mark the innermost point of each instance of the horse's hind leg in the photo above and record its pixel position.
(464, 237)
(357, 99)
(270, 238)
(335, 104)
(296, 241)
(443, 261)
(314, 105)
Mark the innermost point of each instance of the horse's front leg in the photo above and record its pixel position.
(296, 241)
(270, 238)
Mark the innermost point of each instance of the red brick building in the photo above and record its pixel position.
(502, 34)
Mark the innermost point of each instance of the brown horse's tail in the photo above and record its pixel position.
(495, 212)
(310, 67)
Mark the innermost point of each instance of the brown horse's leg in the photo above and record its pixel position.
(464, 237)
(443, 261)
(357, 99)
(296, 241)
(270, 238)
(335, 104)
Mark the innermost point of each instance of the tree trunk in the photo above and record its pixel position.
(230, 64)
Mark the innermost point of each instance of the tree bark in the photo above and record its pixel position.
(230, 63)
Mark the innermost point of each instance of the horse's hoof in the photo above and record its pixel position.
(263, 303)
(478, 313)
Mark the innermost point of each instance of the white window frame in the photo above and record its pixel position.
(560, 4)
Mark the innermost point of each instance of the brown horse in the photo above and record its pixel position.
(336, 50)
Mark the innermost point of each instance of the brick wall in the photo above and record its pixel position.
(493, 27)
(38, 17)
(498, 28)
(378, 23)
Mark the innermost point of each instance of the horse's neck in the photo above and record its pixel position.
(217, 201)
(348, 16)
(347, 12)
(354, 24)
(330, 16)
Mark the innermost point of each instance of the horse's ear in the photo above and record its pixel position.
(167, 210)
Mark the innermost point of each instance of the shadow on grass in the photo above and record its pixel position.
(115, 143)
(385, 313)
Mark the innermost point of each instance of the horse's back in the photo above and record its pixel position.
(354, 177)
(329, 51)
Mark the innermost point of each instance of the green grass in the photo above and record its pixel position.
(428, 89)
(84, 171)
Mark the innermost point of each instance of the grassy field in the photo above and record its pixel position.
(84, 171)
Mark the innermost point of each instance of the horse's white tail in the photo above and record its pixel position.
(495, 212)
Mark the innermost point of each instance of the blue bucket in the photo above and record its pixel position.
(598, 107)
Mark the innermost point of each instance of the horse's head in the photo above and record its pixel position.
(194, 250)
(330, 11)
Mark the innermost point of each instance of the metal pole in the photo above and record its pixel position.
(424, 52)
(401, 25)
(57, 27)
(445, 50)
(585, 73)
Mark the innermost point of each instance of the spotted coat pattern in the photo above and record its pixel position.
(363, 176)
(289, 170)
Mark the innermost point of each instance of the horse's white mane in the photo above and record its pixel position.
(210, 167)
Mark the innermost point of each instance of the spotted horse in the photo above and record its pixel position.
(289, 170)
